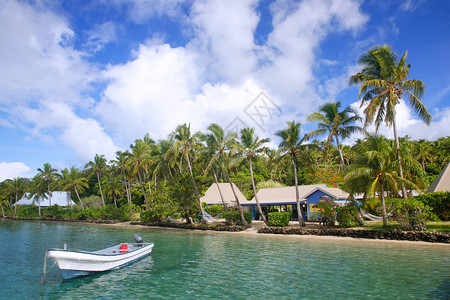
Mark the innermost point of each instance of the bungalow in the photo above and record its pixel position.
(284, 199)
(442, 182)
(58, 198)
(212, 195)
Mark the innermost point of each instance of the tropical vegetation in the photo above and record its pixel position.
(164, 180)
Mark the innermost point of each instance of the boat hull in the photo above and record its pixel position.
(81, 263)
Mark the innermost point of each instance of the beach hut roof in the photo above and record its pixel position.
(59, 198)
(287, 194)
(212, 195)
(442, 182)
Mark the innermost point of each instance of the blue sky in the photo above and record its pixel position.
(79, 78)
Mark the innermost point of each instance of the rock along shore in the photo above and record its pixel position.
(424, 236)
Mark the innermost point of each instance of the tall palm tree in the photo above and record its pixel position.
(273, 162)
(375, 173)
(184, 142)
(383, 81)
(121, 164)
(217, 143)
(161, 167)
(251, 146)
(113, 189)
(292, 145)
(138, 161)
(336, 123)
(98, 166)
(48, 174)
(75, 180)
(37, 190)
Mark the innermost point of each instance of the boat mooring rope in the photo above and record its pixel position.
(45, 271)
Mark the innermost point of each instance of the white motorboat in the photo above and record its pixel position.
(81, 263)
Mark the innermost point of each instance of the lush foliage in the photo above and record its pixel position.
(213, 210)
(439, 203)
(347, 216)
(281, 218)
(410, 214)
(167, 177)
(234, 218)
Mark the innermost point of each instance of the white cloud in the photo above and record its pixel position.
(37, 59)
(100, 36)
(225, 36)
(409, 124)
(12, 170)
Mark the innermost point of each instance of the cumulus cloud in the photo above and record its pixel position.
(37, 59)
(408, 124)
(12, 170)
(100, 36)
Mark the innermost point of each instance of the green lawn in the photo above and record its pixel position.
(443, 226)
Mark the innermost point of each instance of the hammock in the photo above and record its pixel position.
(370, 216)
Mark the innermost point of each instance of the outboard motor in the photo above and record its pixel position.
(138, 238)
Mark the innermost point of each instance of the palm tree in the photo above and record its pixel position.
(251, 145)
(37, 190)
(217, 143)
(184, 143)
(273, 162)
(138, 161)
(113, 189)
(383, 81)
(98, 166)
(161, 164)
(375, 173)
(291, 144)
(75, 180)
(48, 174)
(121, 164)
(336, 123)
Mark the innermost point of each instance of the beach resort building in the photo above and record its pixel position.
(442, 182)
(213, 195)
(279, 199)
(58, 198)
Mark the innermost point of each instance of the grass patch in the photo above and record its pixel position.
(443, 226)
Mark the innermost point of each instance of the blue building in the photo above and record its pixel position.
(283, 199)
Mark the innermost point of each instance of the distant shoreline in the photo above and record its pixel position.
(256, 226)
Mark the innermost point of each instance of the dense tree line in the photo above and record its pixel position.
(166, 178)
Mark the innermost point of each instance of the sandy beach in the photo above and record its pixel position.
(257, 225)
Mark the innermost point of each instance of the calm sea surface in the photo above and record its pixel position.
(202, 265)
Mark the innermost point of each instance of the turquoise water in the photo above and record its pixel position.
(202, 265)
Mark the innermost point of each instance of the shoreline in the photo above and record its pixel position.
(252, 231)
(257, 225)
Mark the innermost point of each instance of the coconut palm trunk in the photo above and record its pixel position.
(241, 211)
(126, 187)
(397, 147)
(220, 191)
(100, 188)
(301, 221)
(196, 190)
(383, 205)
(143, 190)
(263, 217)
(78, 196)
(340, 152)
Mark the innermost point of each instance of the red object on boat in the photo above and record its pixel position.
(123, 248)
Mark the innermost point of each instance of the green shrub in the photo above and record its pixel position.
(234, 218)
(347, 216)
(213, 210)
(439, 202)
(27, 211)
(281, 218)
(410, 214)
